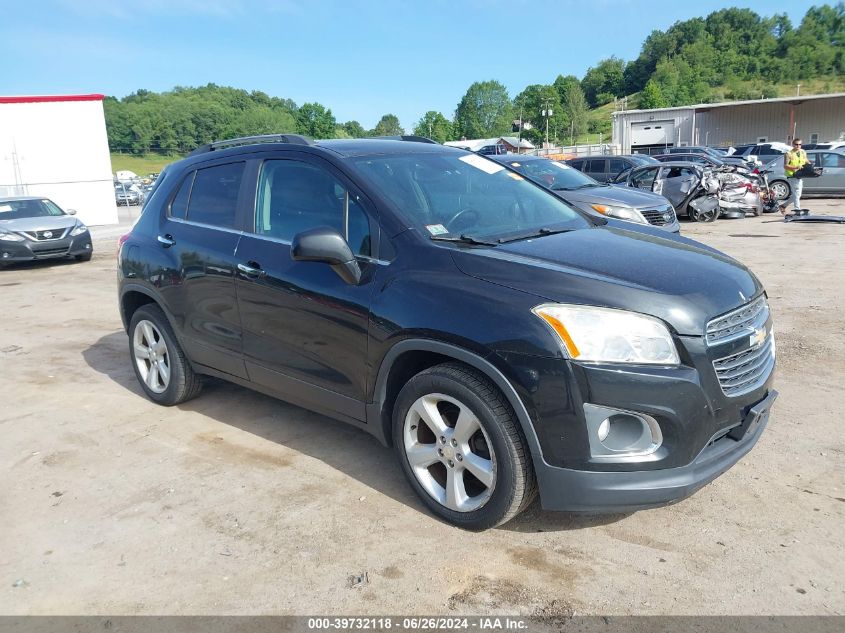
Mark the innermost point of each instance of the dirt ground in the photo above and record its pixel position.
(238, 503)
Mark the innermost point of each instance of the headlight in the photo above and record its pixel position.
(609, 336)
(11, 237)
(79, 229)
(622, 213)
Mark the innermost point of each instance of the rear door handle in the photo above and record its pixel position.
(251, 269)
(166, 240)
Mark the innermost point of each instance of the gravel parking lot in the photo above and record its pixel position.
(238, 503)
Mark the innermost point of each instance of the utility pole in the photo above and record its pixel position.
(547, 112)
(519, 134)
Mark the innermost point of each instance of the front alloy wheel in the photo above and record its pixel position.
(449, 453)
(461, 447)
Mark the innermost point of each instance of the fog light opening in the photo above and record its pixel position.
(619, 435)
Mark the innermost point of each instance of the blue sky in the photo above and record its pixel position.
(360, 58)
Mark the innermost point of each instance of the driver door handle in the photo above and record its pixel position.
(251, 269)
(166, 240)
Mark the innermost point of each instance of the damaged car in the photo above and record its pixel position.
(692, 189)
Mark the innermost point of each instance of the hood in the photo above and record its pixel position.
(612, 194)
(38, 224)
(675, 279)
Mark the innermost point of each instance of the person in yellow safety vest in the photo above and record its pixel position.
(793, 160)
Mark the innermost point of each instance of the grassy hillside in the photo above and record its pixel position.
(141, 164)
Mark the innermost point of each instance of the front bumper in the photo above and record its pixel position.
(31, 250)
(594, 491)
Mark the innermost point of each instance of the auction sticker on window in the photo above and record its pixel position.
(5, 207)
(436, 229)
(482, 163)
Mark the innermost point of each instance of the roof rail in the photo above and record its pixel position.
(408, 137)
(293, 139)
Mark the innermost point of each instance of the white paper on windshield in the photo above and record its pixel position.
(561, 165)
(5, 207)
(483, 164)
(436, 229)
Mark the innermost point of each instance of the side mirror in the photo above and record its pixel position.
(70, 211)
(326, 245)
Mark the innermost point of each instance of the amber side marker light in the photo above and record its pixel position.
(558, 327)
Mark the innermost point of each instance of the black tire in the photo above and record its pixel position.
(514, 484)
(183, 383)
(85, 257)
(777, 184)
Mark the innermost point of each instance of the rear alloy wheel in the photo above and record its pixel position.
(461, 447)
(160, 364)
(780, 189)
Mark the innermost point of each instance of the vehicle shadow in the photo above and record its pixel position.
(338, 445)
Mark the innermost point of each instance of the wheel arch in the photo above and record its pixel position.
(411, 356)
(133, 296)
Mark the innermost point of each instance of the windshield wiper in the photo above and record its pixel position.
(541, 232)
(463, 239)
(589, 184)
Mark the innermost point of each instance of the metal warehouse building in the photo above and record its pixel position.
(813, 118)
(56, 146)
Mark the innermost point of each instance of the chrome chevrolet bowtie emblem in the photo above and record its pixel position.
(757, 338)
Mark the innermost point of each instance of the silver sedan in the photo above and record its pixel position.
(831, 182)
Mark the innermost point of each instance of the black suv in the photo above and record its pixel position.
(503, 342)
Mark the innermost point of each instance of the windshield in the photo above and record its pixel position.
(458, 193)
(554, 175)
(17, 209)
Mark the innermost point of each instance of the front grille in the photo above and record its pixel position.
(49, 251)
(746, 370)
(40, 236)
(738, 323)
(659, 216)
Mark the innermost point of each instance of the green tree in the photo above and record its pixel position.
(575, 105)
(484, 111)
(315, 120)
(652, 96)
(435, 126)
(354, 129)
(388, 125)
(605, 80)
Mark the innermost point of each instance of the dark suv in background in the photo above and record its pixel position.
(607, 168)
(503, 342)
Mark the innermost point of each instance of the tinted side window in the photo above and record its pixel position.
(617, 166)
(577, 164)
(214, 196)
(179, 205)
(294, 197)
(596, 166)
